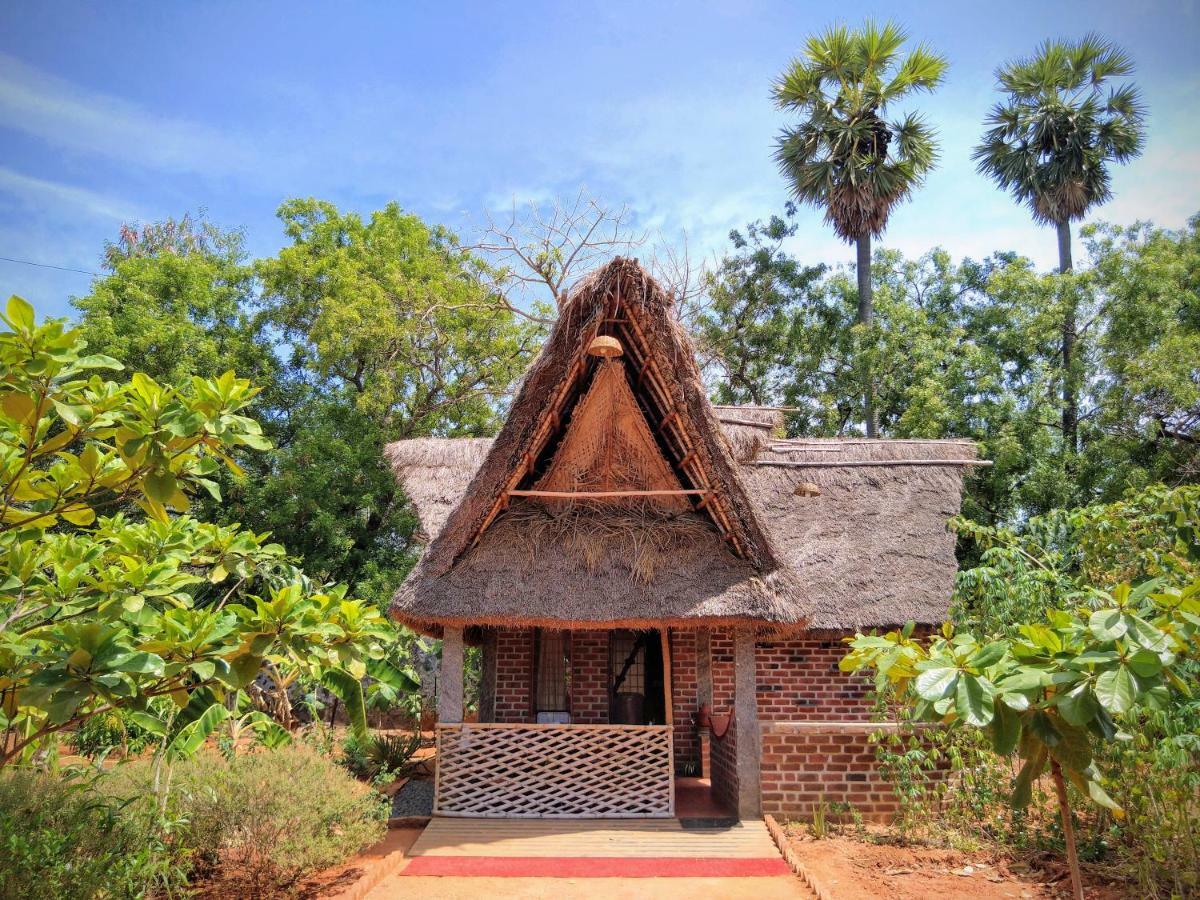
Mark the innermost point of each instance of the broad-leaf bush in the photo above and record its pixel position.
(112, 595)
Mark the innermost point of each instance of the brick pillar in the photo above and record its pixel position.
(450, 682)
(487, 677)
(745, 713)
(704, 696)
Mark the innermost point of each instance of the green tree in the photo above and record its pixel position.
(395, 313)
(749, 326)
(176, 302)
(1142, 422)
(104, 608)
(1054, 691)
(845, 157)
(1050, 142)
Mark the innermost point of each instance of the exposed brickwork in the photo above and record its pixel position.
(589, 677)
(723, 753)
(721, 648)
(798, 681)
(684, 696)
(804, 763)
(815, 719)
(514, 674)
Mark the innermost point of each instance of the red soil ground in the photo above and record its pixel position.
(852, 869)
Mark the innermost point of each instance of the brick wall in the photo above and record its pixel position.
(684, 696)
(589, 677)
(514, 674)
(804, 763)
(798, 681)
(724, 768)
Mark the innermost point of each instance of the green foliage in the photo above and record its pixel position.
(1054, 689)
(379, 756)
(974, 350)
(370, 305)
(845, 157)
(359, 333)
(61, 840)
(266, 818)
(107, 612)
(1050, 140)
(112, 730)
(176, 303)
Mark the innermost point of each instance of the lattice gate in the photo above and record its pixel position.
(554, 771)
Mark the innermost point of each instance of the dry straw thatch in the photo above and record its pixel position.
(872, 549)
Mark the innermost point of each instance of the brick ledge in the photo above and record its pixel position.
(811, 727)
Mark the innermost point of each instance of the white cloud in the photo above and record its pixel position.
(95, 123)
(38, 192)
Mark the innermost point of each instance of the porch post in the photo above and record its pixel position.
(704, 697)
(487, 677)
(450, 682)
(745, 712)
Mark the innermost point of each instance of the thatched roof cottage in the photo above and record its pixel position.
(659, 585)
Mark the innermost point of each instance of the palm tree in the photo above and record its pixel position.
(1049, 142)
(845, 157)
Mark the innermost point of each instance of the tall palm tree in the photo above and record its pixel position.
(1049, 142)
(845, 157)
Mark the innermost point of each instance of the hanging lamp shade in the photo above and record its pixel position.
(807, 489)
(605, 346)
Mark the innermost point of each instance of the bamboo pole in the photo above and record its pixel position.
(866, 463)
(591, 495)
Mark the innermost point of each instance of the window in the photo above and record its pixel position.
(552, 690)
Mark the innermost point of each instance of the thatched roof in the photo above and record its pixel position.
(872, 549)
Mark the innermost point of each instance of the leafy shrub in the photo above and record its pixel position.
(60, 840)
(267, 818)
(108, 731)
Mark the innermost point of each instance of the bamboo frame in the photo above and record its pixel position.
(518, 770)
(866, 463)
(592, 495)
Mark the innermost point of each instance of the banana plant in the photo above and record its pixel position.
(1052, 690)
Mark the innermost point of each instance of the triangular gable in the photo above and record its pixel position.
(659, 368)
(608, 448)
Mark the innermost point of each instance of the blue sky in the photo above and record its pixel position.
(132, 112)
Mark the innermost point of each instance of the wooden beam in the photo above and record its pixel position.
(595, 495)
(866, 463)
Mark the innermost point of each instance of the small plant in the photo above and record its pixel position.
(820, 823)
(382, 757)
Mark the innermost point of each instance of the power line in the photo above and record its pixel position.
(29, 262)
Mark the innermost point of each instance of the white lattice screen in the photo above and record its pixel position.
(554, 771)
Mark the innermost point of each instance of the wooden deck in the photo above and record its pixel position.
(592, 838)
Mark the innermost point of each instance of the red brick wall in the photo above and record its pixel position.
(589, 677)
(798, 681)
(724, 768)
(684, 696)
(721, 649)
(804, 763)
(514, 674)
